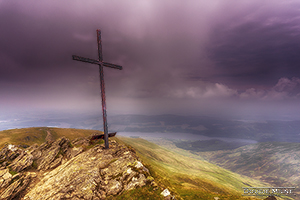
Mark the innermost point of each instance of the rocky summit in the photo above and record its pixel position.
(65, 169)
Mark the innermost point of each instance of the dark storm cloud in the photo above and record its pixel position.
(176, 54)
(258, 46)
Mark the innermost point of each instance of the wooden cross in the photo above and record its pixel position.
(101, 64)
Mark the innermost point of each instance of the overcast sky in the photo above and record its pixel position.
(218, 57)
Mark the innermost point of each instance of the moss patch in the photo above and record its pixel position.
(12, 172)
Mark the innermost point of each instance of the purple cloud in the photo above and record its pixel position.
(187, 56)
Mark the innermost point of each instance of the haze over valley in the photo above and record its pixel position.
(189, 130)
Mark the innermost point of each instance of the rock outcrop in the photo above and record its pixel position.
(64, 169)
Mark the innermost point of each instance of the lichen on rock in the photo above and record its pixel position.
(5, 178)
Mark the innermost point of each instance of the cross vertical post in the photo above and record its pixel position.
(101, 75)
(102, 86)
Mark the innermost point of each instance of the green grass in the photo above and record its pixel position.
(190, 178)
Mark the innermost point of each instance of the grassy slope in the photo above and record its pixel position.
(191, 178)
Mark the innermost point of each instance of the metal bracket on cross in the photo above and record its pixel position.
(102, 86)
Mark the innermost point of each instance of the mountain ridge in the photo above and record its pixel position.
(182, 176)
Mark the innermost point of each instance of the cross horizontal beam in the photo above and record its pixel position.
(92, 61)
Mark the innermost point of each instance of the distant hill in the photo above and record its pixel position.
(257, 130)
(260, 130)
(30, 136)
(207, 145)
(276, 163)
